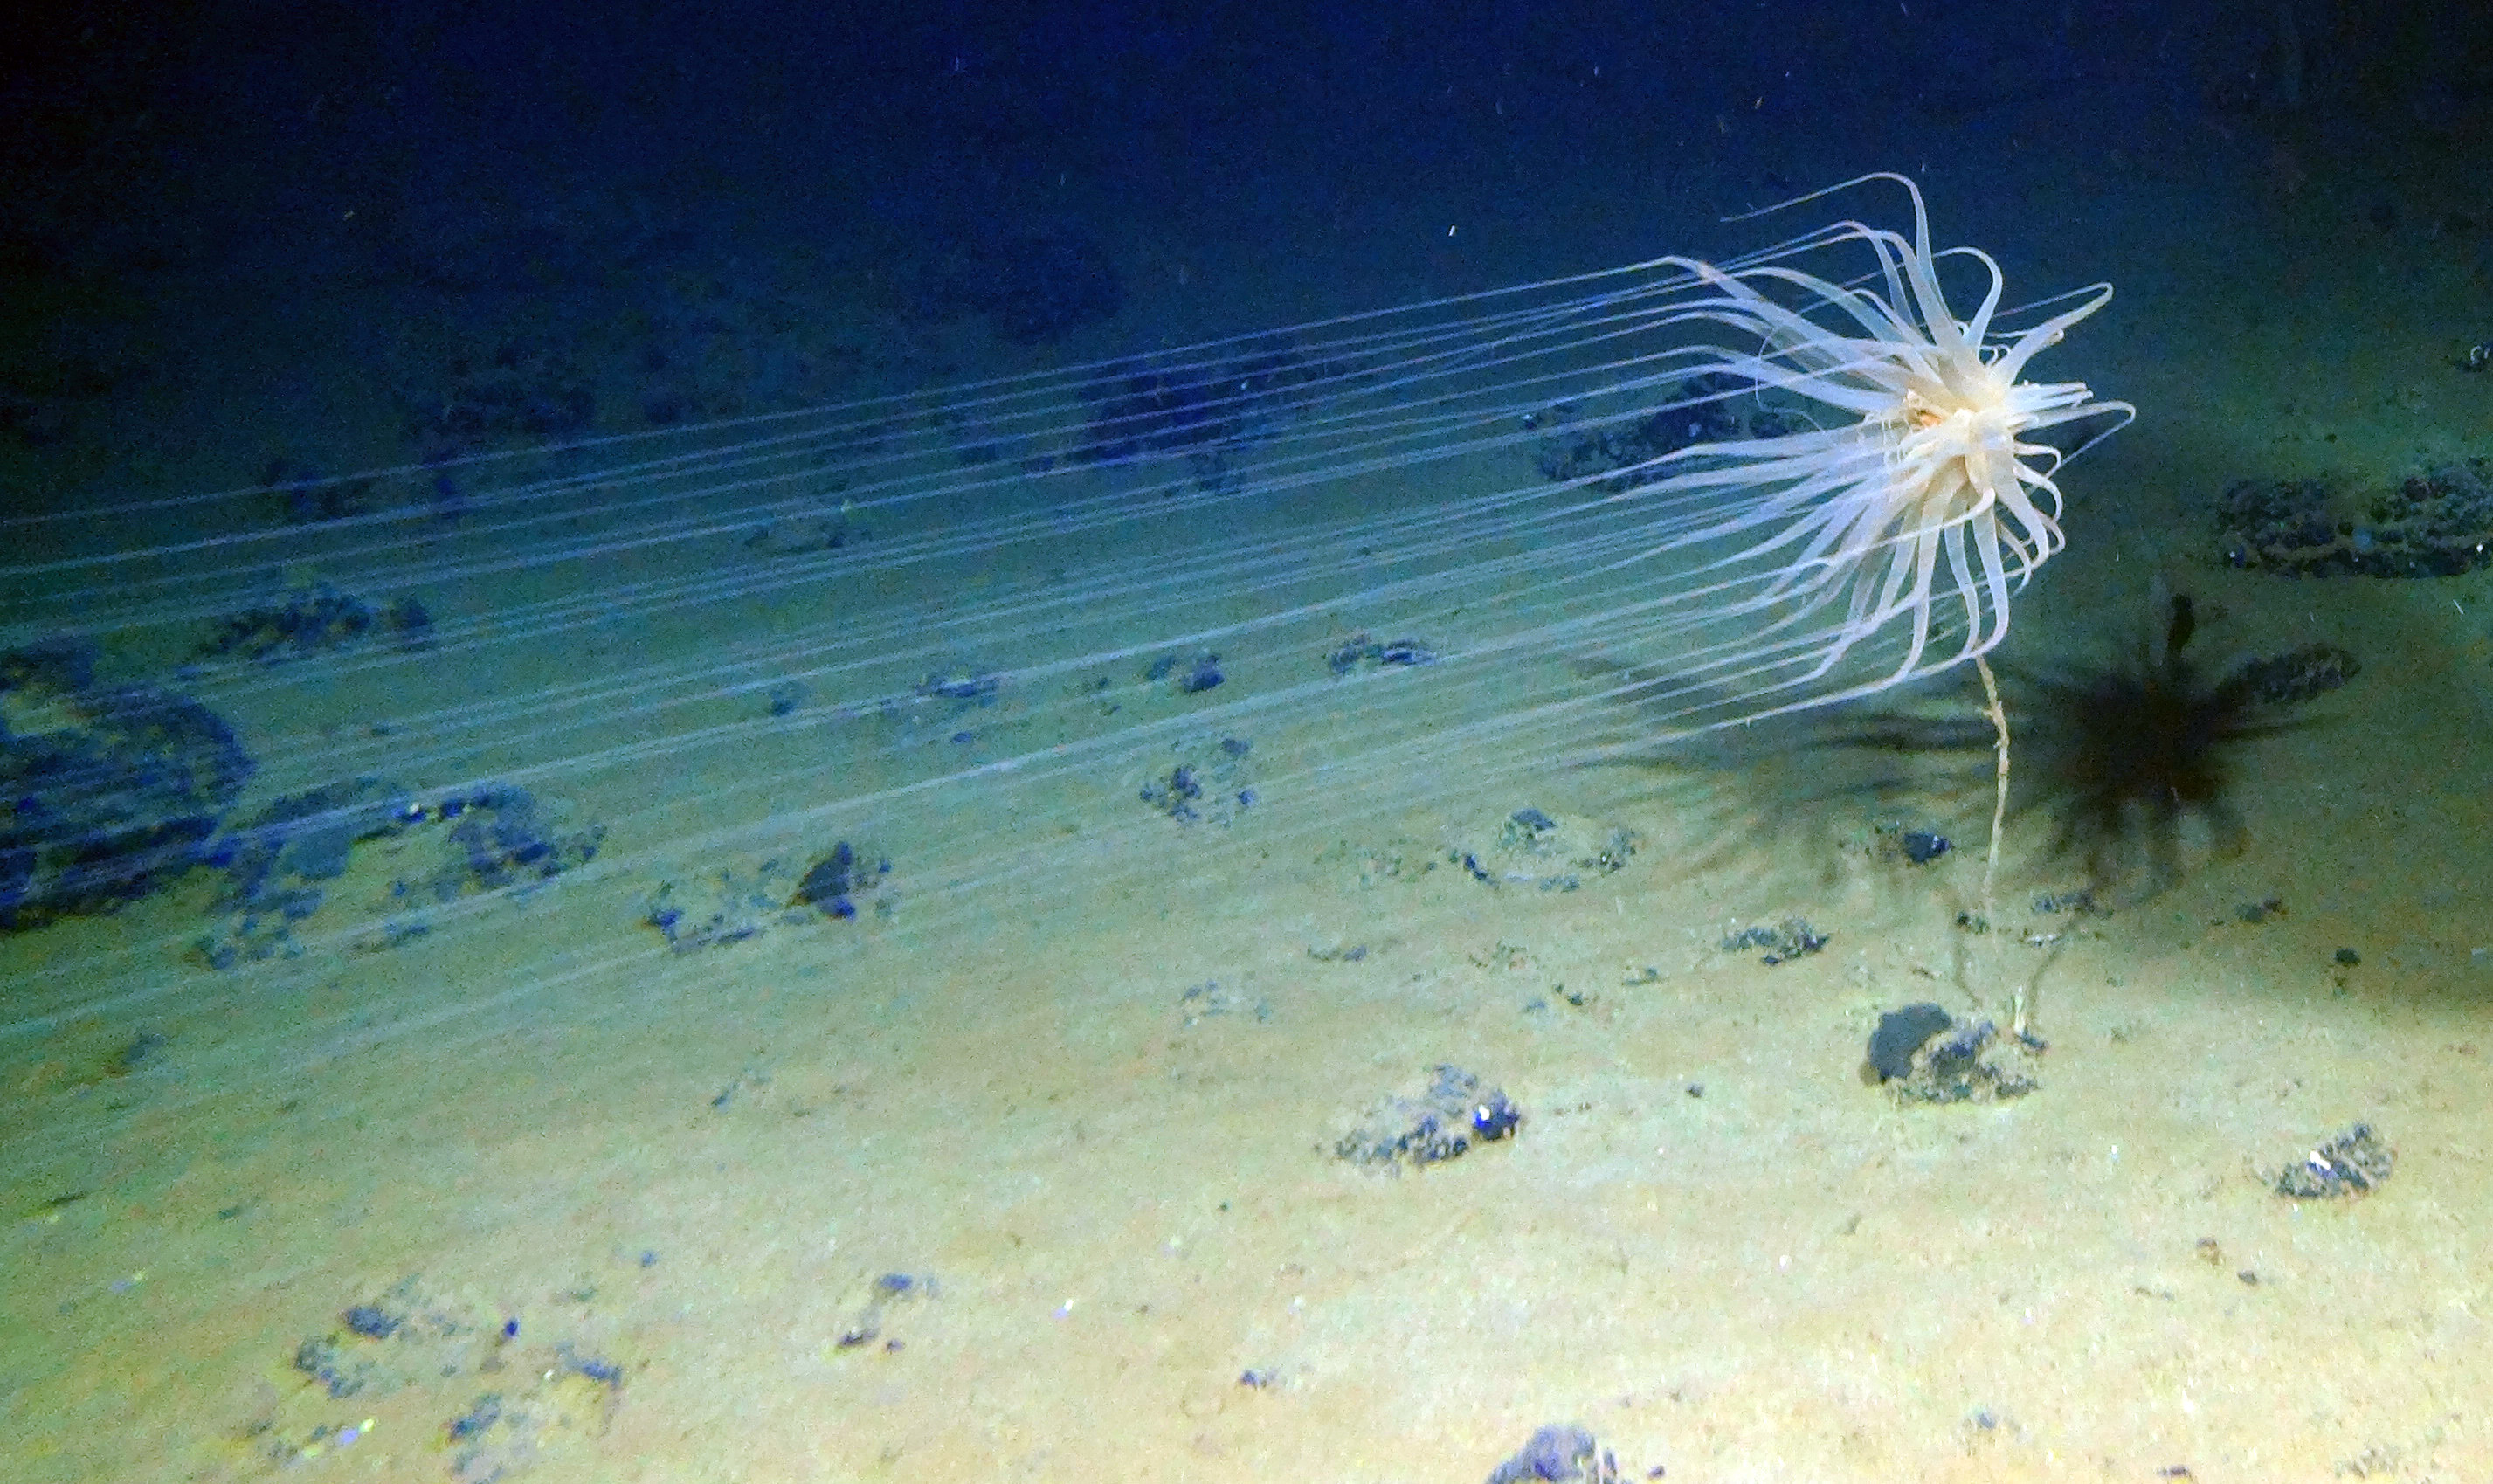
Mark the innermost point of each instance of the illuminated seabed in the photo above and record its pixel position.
(1221, 741)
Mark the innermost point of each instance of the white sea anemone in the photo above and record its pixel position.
(1324, 582)
(1911, 505)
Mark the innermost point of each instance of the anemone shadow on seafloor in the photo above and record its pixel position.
(2130, 761)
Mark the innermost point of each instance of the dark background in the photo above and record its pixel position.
(141, 131)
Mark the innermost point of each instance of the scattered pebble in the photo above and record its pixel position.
(829, 882)
(1791, 938)
(1558, 1452)
(2434, 524)
(1361, 651)
(314, 618)
(1203, 675)
(1442, 1122)
(1968, 1061)
(2354, 1163)
(1923, 846)
(870, 1308)
(1212, 783)
(1546, 852)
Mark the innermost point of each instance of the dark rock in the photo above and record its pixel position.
(496, 839)
(1212, 783)
(1441, 1123)
(272, 863)
(2435, 523)
(106, 793)
(1210, 999)
(503, 841)
(1786, 940)
(481, 1415)
(2354, 1163)
(1923, 846)
(1361, 649)
(728, 906)
(1969, 1062)
(135, 1053)
(829, 883)
(58, 665)
(961, 684)
(2294, 677)
(870, 1310)
(1900, 1035)
(2081, 902)
(336, 1371)
(1202, 676)
(316, 618)
(1557, 1452)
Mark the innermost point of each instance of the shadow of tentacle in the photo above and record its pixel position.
(2134, 763)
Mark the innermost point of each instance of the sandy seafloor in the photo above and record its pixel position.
(681, 1176)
